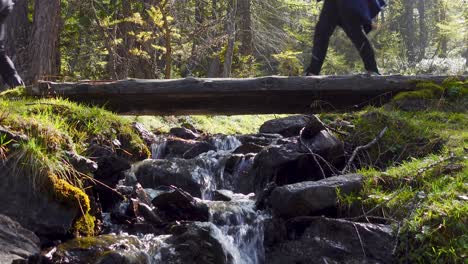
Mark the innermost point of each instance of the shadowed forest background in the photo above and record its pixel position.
(117, 39)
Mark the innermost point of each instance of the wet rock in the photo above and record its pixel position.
(176, 148)
(197, 149)
(175, 204)
(236, 172)
(124, 249)
(260, 139)
(223, 195)
(312, 198)
(199, 243)
(184, 133)
(148, 214)
(147, 136)
(33, 209)
(248, 148)
(333, 241)
(224, 142)
(16, 242)
(196, 176)
(292, 161)
(290, 126)
(110, 170)
(326, 145)
(80, 163)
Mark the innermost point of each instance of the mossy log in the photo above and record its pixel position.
(266, 95)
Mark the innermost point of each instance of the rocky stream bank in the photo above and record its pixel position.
(270, 197)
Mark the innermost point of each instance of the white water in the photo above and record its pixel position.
(242, 228)
(239, 225)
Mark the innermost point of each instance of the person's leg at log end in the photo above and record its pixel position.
(325, 27)
(356, 22)
(7, 68)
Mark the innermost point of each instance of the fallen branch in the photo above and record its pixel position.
(360, 148)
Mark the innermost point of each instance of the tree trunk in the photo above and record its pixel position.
(408, 28)
(231, 36)
(17, 39)
(443, 39)
(44, 43)
(244, 19)
(267, 95)
(168, 45)
(422, 29)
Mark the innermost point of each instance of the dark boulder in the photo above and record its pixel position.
(184, 133)
(248, 148)
(175, 204)
(110, 170)
(312, 198)
(80, 163)
(199, 243)
(188, 175)
(197, 149)
(147, 136)
(176, 148)
(293, 161)
(260, 139)
(16, 242)
(33, 209)
(291, 126)
(324, 240)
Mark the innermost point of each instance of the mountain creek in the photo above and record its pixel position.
(270, 197)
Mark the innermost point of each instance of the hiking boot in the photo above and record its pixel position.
(373, 73)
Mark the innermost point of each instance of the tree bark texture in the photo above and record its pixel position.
(44, 42)
(423, 34)
(408, 30)
(231, 38)
(267, 95)
(244, 19)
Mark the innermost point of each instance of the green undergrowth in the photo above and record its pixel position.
(421, 187)
(229, 125)
(40, 132)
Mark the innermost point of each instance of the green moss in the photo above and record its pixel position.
(52, 127)
(424, 90)
(404, 139)
(12, 94)
(74, 197)
(424, 195)
(84, 225)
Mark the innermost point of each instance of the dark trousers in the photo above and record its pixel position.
(7, 68)
(334, 14)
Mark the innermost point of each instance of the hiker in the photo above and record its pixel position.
(356, 19)
(7, 68)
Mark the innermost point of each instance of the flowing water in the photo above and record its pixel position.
(238, 225)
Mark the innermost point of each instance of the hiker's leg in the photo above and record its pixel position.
(325, 27)
(354, 31)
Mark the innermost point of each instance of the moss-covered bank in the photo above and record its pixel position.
(37, 134)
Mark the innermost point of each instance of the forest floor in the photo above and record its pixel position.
(416, 175)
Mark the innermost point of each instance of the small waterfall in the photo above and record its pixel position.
(158, 148)
(227, 143)
(242, 227)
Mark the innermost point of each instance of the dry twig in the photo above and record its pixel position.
(356, 151)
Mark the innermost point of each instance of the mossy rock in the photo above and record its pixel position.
(451, 94)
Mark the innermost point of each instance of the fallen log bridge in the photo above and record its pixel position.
(266, 95)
